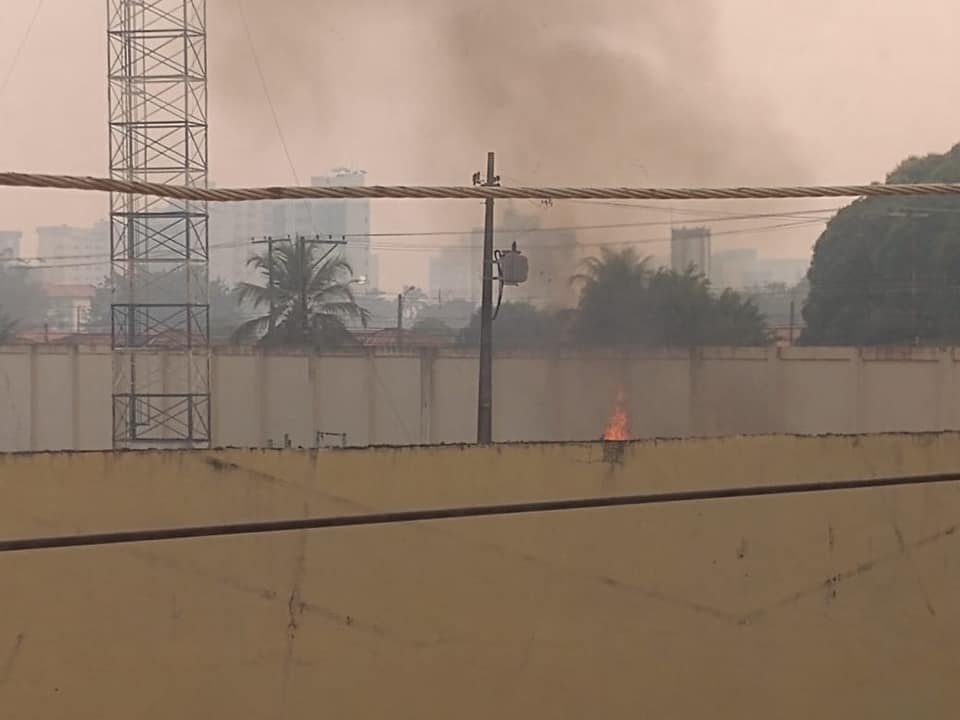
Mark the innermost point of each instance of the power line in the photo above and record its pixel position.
(103, 259)
(576, 228)
(478, 192)
(19, 51)
(266, 90)
(673, 209)
(578, 243)
(443, 246)
(465, 512)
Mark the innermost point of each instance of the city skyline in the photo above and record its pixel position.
(788, 73)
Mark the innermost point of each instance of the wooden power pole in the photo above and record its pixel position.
(485, 397)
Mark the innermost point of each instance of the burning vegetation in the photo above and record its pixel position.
(617, 429)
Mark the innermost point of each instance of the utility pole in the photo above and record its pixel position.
(793, 310)
(400, 311)
(485, 396)
(304, 279)
(272, 321)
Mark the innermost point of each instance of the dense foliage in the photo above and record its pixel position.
(624, 302)
(887, 270)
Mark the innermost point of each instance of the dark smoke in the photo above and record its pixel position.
(566, 91)
(613, 90)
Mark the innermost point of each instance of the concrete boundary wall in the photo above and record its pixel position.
(58, 398)
(828, 605)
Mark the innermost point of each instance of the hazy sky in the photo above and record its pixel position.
(415, 92)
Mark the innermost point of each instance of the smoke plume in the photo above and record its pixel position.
(566, 91)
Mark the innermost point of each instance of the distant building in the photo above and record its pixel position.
(10, 243)
(347, 218)
(233, 227)
(74, 255)
(553, 258)
(690, 247)
(69, 306)
(744, 268)
(455, 271)
(788, 271)
(733, 268)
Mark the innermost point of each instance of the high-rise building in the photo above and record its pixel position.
(455, 270)
(347, 219)
(553, 257)
(74, 255)
(10, 244)
(690, 247)
(234, 225)
(744, 268)
(733, 268)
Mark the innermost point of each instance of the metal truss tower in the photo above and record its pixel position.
(159, 249)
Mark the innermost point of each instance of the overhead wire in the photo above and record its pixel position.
(806, 218)
(15, 61)
(266, 90)
(564, 228)
(580, 243)
(434, 246)
(673, 209)
(538, 507)
(474, 192)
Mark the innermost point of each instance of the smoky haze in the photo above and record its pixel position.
(564, 90)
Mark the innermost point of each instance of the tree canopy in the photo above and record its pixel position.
(434, 327)
(226, 313)
(625, 302)
(518, 325)
(886, 271)
(22, 299)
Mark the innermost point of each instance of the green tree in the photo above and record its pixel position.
(22, 298)
(312, 298)
(624, 302)
(226, 312)
(518, 325)
(453, 313)
(887, 270)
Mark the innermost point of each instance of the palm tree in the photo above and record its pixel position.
(308, 297)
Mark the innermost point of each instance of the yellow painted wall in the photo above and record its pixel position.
(834, 605)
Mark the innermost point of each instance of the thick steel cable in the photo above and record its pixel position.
(459, 513)
(374, 192)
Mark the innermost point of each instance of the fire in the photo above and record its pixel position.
(617, 429)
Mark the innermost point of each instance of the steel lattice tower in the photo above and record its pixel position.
(159, 249)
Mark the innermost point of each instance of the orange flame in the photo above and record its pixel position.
(617, 429)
